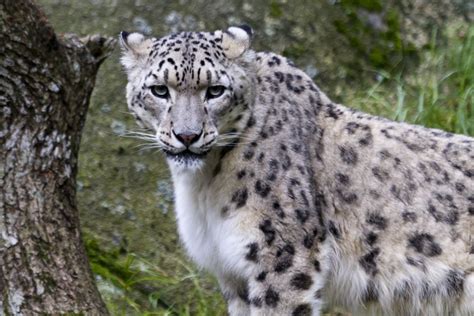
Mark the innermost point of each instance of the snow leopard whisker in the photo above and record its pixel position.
(136, 134)
(231, 144)
(145, 148)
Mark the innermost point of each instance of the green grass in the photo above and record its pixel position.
(439, 93)
(132, 285)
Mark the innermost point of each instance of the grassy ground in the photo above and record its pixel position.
(438, 93)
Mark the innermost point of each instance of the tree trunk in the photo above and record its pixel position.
(45, 85)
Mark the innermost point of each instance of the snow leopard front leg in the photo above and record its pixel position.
(235, 292)
(296, 292)
(287, 277)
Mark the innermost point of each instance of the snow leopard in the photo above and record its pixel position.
(297, 203)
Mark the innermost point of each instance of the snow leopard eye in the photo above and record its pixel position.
(214, 92)
(160, 91)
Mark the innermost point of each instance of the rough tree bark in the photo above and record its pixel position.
(45, 85)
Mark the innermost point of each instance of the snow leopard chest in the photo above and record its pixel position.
(211, 239)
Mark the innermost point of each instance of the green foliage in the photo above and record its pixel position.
(389, 48)
(294, 51)
(369, 5)
(439, 93)
(275, 10)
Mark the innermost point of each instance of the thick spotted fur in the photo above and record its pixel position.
(293, 201)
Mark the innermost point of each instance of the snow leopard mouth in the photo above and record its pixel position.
(186, 156)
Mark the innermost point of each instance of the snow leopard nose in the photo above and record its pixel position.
(187, 138)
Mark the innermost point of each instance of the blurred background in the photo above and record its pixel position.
(408, 60)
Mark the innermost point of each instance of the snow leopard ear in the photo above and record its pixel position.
(135, 48)
(236, 40)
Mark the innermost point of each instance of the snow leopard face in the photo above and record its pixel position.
(191, 89)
